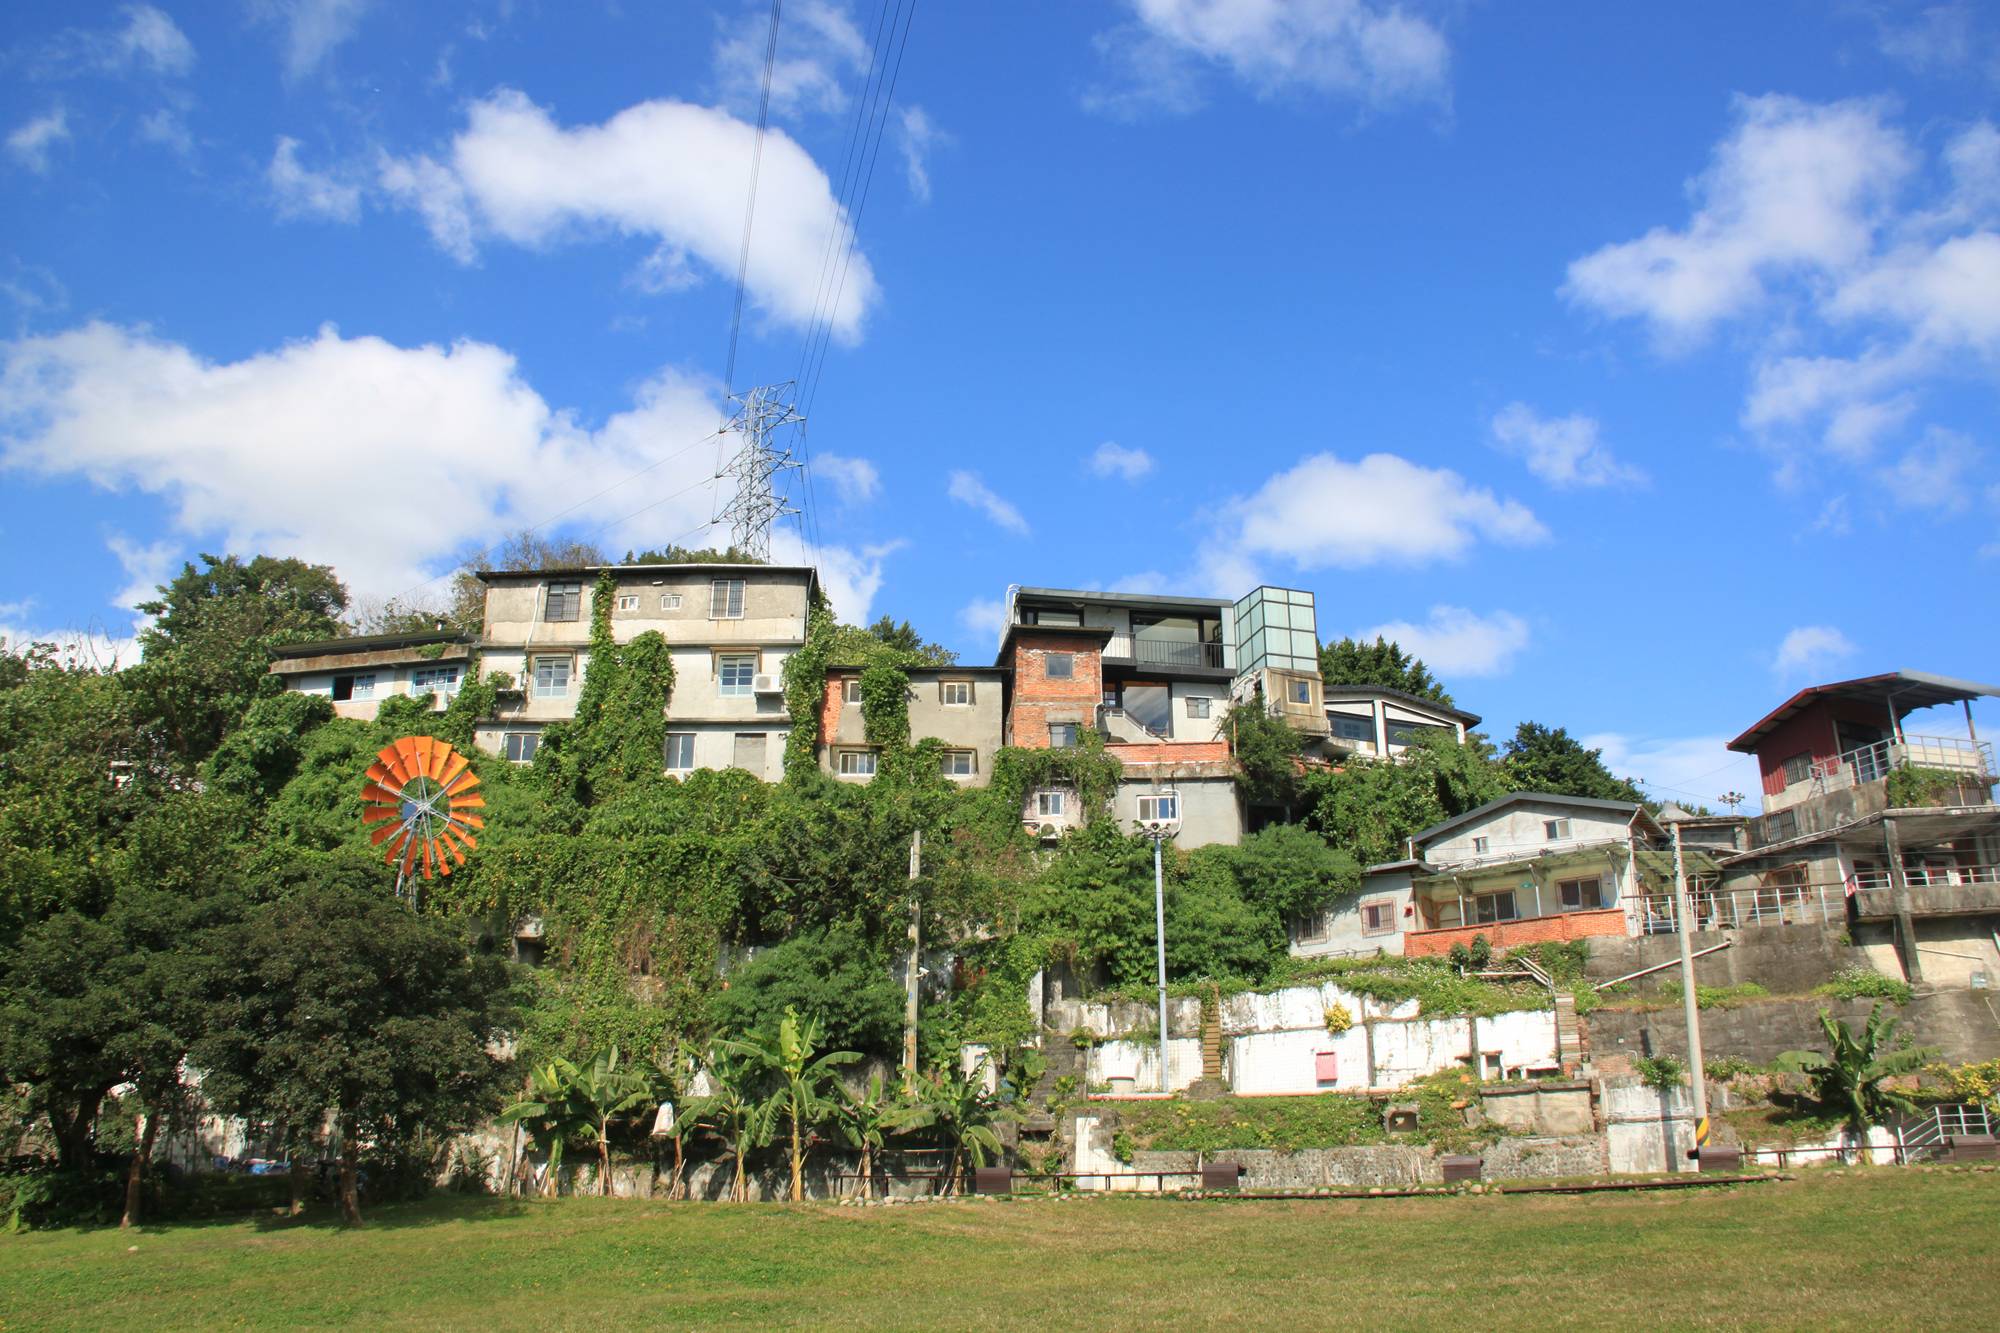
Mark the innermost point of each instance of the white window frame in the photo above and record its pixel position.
(1049, 803)
(1593, 884)
(948, 760)
(725, 599)
(542, 691)
(364, 685)
(628, 601)
(680, 736)
(1302, 692)
(1169, 800)
(670, 601)
(1075, 732)
(856, 763)
(727, 664)
(1199, 705)
(1365, 726)
(960, 688)
(428, 680)
(513, 740)
(1556, 830)
(850, 691)
(1481, 845)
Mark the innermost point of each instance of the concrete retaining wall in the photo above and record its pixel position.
(1963, 1025)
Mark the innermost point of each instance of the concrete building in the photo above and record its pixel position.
(729, 630)
(1376, 722)
(959, 707)
(360, 671)
(1894, 833)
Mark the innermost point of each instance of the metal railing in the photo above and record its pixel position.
(1765, 905)
(1927, 873)
(1873, 763)
(1928, 1133)
(1105, 712)
(1165, 652)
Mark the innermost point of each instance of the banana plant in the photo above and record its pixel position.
(736, 1109)
(550, 1113)
(606, 1091)
(963, 1113)
(1850, 1079)
(803, 1083)
(867, 1119)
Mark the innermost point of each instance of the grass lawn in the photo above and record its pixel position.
(1868, 1248)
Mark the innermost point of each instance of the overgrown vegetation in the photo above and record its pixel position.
(1858, 983)
(1322, 1120)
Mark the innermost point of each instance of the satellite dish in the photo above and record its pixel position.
(420, 791)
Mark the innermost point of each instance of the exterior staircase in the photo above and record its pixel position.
(1569, 1033)
(1211, 1036)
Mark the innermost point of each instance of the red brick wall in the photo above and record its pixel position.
(1169, 752)
(1036, 696)
(829, 710)
(1510, 934)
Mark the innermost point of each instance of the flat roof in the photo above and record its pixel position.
(489, 575)
(856, 668)
(1404, 697)
(368, 643)
(1905, 691)
(1099, 634)
(1125, 598)
(1531, 797)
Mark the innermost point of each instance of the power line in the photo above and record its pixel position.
(750, 204)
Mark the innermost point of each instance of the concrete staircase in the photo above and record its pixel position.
(1211, 1036)
(1569, 1033)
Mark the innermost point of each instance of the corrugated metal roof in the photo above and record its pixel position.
(1906, 691)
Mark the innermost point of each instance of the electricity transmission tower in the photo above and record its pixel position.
(759, 499)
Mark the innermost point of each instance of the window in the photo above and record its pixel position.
(1353, 728)
(955, 693)
(1781, 826)
(1378, 917)
(1198, 705)
(1059, 666)
(680, 751)
(551, 677)
(1164, 806)
(1407, 733)
(519, 747)
(1798, 768)
(1481, 846)
(850, 690)
(1062, 735)
(857, 763)
(749, 754)
(670, 601)
(426, 679)
(564, 601)
(1578, 894)
(628, 601)
(1312, 927)
(1302, 692)
(958, 763)
(1049, 804)
(735, 674)
(343, 689)
(1555, 830)
(725, 599)
(1150, 706)
(1037, 617)
(1494, 907)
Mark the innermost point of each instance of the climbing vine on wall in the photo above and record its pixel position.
(805, 690)
(619, 734)
(1084, 768)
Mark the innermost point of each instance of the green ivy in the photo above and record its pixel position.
(805, 690)
(1083, 768)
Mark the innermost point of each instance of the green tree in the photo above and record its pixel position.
(1352, 662)
(1549, 759)
(962, 1113)
(832, 977)
(550, 1113)
(887, 642)
(1851, 1079)
(867, 1118)
(336, 1001)
(737, 1109)
(693, 555)
(804, 1083)
(1266, 750)
(207, 652)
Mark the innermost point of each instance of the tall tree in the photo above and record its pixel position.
(887, 642)
(1352, 662)
(1549, 759)
(340, 1003)
(526, 549)
(209, 646)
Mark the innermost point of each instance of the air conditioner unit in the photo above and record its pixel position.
(766, 685)
(1049, 833)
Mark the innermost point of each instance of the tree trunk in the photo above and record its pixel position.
(73, 1133)
(350, 1195)
(798, 1184)
(603, 1162)
(867, 1173)
(678, 1188)
(135, 1179)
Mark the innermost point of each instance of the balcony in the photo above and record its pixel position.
(1170, 654)
(1873, 763)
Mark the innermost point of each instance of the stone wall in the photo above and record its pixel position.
(1964, 1025)
(1779, 958)
(1390, 1166)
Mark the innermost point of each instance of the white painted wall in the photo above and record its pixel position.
(1517, 831)
(1140, 1061)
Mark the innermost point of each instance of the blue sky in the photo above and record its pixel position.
(1635, 365)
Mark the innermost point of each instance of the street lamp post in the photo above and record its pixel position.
(1157, 831)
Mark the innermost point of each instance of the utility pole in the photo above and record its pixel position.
(1684, 919)
(1160, 935)
(910, 966)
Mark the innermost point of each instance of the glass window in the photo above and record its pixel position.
(735, 674)
(551, 677)
(1377, 917)
(1798, 768)
(1151, 706)
(749, 753)
(857, 763)
(955, 693)
(1555, 829)
(1353, 728)
(1062, 735)
(1197, 705)
(1059, 666)
(1407, 733)
(1049, 804)
(1481, 846)
(850, 690)
(957, 763)
(1781, 826)
(1494, 907)
(426, 679)
(1165, 807)
(680, 751)
(628, 601)
(725, 599)
(1064, 618)
(670, 601)
(519, 746)
(1581, 893)
(564, 601)
(1302, 692)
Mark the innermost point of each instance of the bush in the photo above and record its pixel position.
(1855, 983)
(1718, 997)
(1660, 1071)
(830, 975)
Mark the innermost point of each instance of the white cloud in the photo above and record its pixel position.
(818, 45)
(968, 489)
(146, 569)
(1563, 451)
(984, 615)
(148, 38)
(31, 143)
(854, 480)
(90, 645)
(388, 462)
(1458, 642)
(916, 137)
(850, 579)
(667, 171)
(301, 192)
(1934, 39)
(1934, 473)
(167, 128)
(1376, 54)
(1811, 650)
(1796, 187)
(1688, 770)
(313, 29)
(1380, 510)
(1116, 460)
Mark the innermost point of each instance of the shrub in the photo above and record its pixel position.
(1338, 1019)
(1854, 983)
(1660, 1071)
